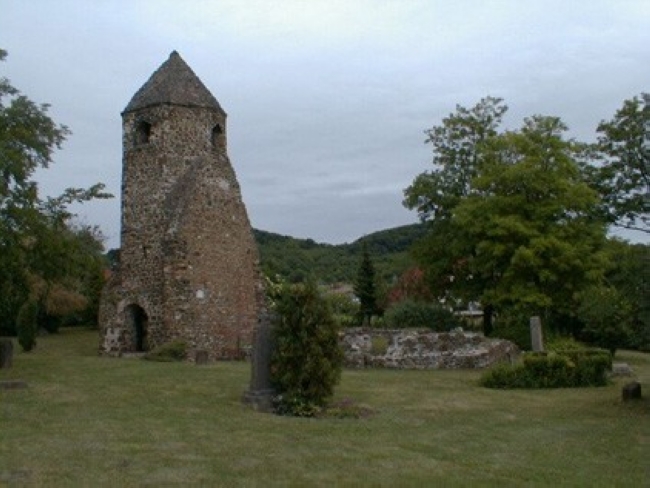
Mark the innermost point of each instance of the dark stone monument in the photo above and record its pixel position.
(632, 391)
(6, 353)
(260, 393)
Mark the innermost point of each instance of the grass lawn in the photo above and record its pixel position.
(87, 420)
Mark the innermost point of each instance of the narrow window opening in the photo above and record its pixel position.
(142, 133)
(217, 137)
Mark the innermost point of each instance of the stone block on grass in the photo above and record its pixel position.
(632, 391)
(6, 353)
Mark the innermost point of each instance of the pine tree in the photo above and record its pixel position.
(365, 289)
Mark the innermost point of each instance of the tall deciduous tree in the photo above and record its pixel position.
(624, 176)
(629, 275)
(456, 159)
(34, 232)
(457, 154)
(512, 221)
(535, 241)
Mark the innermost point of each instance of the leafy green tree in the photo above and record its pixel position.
(27, 325)
(456, 147)
(33, 231)
(607, 315)
(457, 157)
(624, 175)
(512, 224)
(307, 360)
(365, 288)
(629, 276)
(536, 243)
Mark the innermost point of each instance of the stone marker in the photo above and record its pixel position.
(12, 385)
(632, 391)
(201, 357)
(621, 369)
(260, 393)
(536, 339)
(6, 353)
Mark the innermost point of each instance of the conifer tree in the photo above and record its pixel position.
(365, 288)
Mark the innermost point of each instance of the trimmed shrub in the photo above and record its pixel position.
(549, 371)
(591, 366)
(505, 376)
(419, 315)
(27, 325)
(172, 351)
(307, 359)
(563, 344)
(566, 369)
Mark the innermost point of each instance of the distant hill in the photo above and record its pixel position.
(298, 259)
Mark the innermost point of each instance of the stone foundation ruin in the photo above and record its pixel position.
(423, 349)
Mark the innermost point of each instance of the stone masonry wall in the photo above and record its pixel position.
(188, 259)
(423, 349)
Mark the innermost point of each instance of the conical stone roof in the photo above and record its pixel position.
(174, 83)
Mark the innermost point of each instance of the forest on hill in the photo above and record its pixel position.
(301, 259)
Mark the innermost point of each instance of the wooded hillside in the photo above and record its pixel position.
(298, 259)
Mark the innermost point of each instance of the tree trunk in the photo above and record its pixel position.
(488, 313)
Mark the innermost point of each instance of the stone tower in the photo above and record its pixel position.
(188, 262)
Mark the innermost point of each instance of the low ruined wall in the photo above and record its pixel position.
(423, 349)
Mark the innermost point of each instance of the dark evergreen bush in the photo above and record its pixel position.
(307, 360)
(419, 315)
(27, 325)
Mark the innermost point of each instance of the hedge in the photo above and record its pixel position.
(561, 369)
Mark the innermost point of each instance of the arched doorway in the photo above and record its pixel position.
(137, 321)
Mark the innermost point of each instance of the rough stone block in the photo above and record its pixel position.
(201, 357)
(12, 385)
(259, 400)
(632, 391)
(6, 353)
(621, 369)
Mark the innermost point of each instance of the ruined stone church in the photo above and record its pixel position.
(188, 262)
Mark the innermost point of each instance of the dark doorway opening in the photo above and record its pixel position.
(138, 321)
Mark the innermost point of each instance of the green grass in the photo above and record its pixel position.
(93, 421)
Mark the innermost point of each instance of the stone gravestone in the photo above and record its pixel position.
(6, 353)
(201, 357)
(621, 369)
(632, 391)
(12, 385)
(536, 339)
(260, 393)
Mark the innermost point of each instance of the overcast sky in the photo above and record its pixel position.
(327, 100)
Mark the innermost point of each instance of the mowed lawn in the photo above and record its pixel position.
(87, 420)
